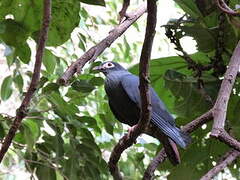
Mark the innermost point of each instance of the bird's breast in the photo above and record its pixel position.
(120, 101)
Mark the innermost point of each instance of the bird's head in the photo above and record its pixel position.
(108, 67)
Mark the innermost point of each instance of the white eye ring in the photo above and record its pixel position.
(108, 65)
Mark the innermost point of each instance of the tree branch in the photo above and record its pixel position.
(22, 110)
(123, 11)
(188, 128)
(96, 50)
(226, 9)
(220, 107)
(226, 160)
(127, 140)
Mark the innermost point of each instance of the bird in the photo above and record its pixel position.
(122, 89)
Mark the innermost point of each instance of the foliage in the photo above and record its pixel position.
(70, 131)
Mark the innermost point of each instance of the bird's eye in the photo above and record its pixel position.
(109, 64)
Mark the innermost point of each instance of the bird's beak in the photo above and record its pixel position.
(97, 68)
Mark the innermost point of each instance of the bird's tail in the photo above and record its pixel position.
(180, 137)
(169, 146)
(171, 150)
(169, 129)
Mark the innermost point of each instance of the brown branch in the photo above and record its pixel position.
(22, 110)
(160, 158)
(220, 107)
(129, 139)
(123, 11)
(226, 9)
(224, 137)
(226, 160)
(96, 50)
(188, 128)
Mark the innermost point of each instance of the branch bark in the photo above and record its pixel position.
(22, 110)
(129, 139)
(226, 160)
(225, 8)
(188, 128)
(220, 107)
(123, 12)
(96, 50)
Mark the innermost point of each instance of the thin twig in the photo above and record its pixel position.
(22, 110)
(226, 160)
(188, 128)
(226, 9)
(128, 140)
(96, 50)
(123, 12)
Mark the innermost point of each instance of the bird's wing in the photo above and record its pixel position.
(130, 84)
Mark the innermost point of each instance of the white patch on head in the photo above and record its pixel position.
(108, 65)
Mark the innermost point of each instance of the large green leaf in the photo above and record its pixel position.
(6, 88)
(65, 17)
(206, 42)
(28, 17)
(190, 100)
(13, 33)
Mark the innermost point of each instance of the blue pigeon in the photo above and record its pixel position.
(122, 89)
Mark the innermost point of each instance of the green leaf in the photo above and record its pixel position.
(18, 80)
(206, 6)
(20, 136)
(94, 2)
(24, 53)
(49, 61)
(45, 173)
(13, 33)
(2, 131)
(90, 122)
(205, 38)
(190, 100)
(50, 88)
(65, 17)
(82, 86)
(82, 45)
(70, 167)
(108, 123)
(6, 88)
(61, 105)
(31, 132)
(189, 7)
(96, 81)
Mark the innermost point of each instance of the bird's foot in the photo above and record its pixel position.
(130, 132)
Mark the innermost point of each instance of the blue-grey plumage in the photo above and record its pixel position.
(122, 89)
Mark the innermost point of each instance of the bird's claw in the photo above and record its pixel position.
(130, 133)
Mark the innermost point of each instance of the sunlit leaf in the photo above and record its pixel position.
(6, 88)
